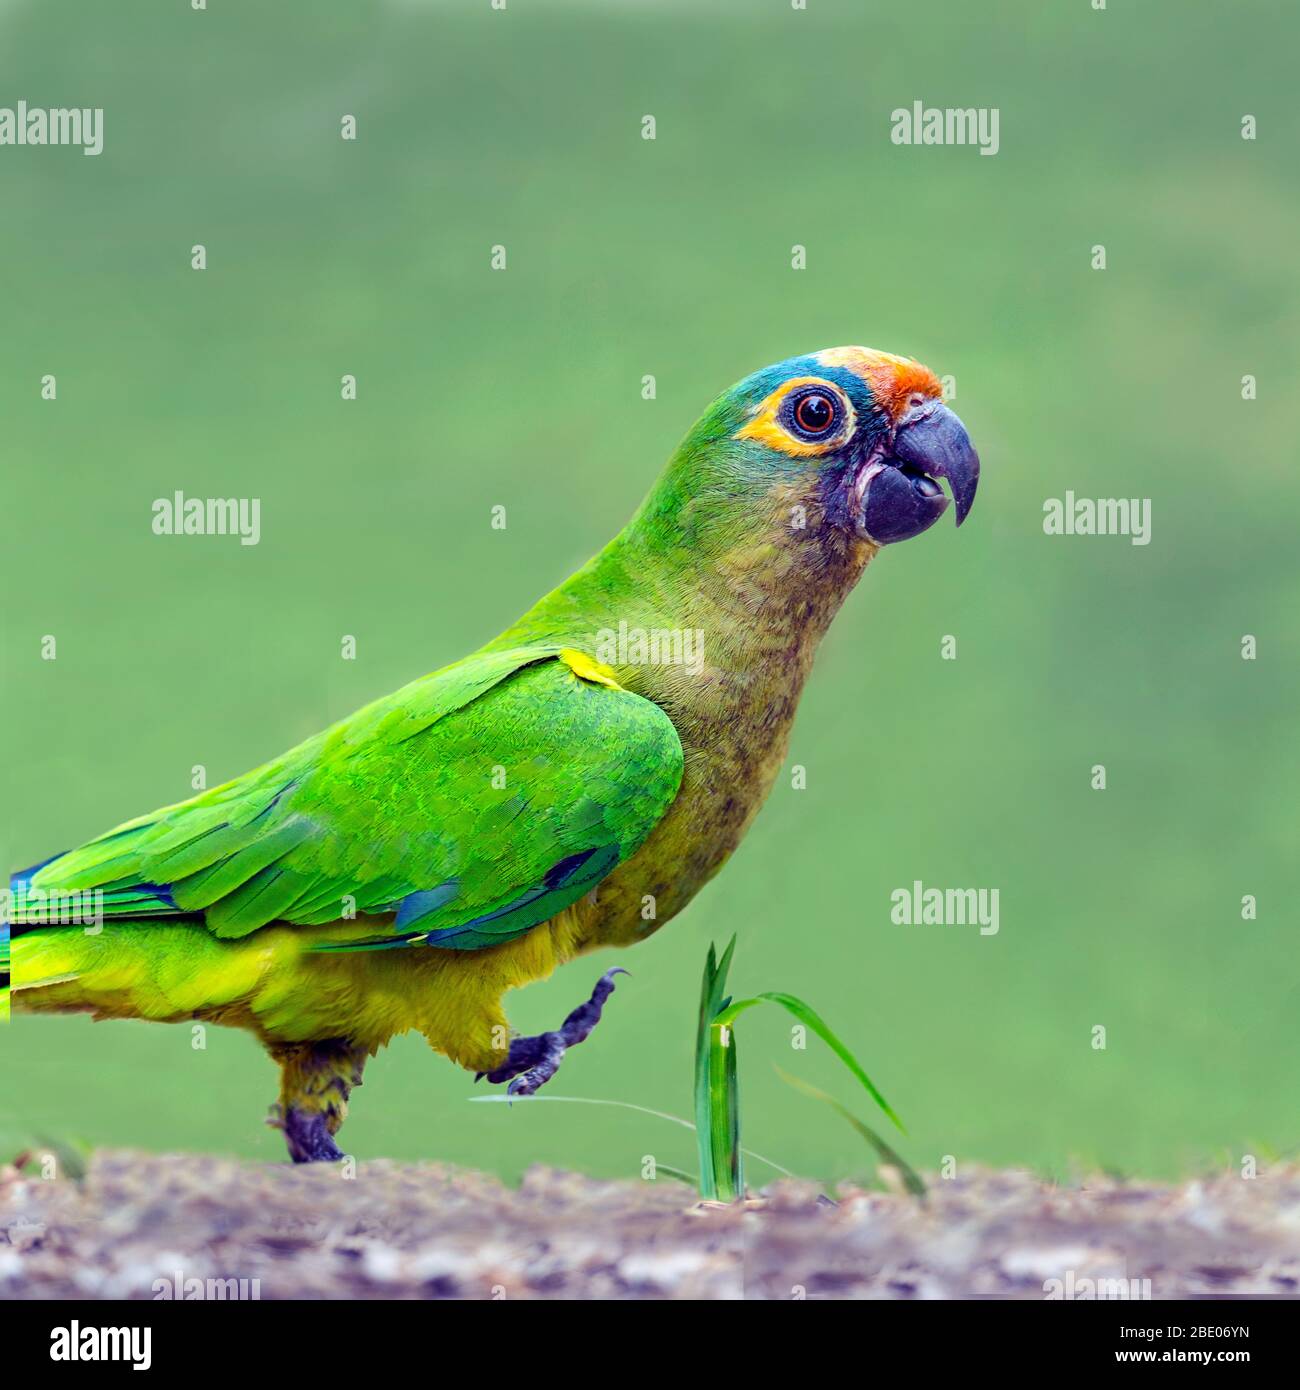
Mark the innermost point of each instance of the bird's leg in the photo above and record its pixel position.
(315, 1082)
(531, 1062)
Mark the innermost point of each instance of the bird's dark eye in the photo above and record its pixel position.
(815, 413)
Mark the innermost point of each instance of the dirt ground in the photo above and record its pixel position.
(141, 1225)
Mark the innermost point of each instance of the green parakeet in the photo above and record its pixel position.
(570, 785)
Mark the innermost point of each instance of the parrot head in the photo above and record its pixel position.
(861, 437)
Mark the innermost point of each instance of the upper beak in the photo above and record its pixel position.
(933, 439)
(896, 493)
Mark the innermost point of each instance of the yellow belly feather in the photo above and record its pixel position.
(273, 984)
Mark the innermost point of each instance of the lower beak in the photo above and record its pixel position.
(899, 495)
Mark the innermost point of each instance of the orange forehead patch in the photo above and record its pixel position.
(892, 379)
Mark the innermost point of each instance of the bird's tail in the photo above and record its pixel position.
(20, 927)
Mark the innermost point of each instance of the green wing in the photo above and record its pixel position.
(474, 804)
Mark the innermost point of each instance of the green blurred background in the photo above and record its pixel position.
(627, 257)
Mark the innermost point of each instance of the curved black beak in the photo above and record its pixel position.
(897, 493)
(931, 438)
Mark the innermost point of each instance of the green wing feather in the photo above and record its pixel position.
(474, 804)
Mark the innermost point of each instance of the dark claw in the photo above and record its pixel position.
(532, 1061)
(537, 1075)
(308, 1137)
(524, 1053)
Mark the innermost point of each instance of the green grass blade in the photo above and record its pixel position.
(675, 1173)
(724, 1115)
(724, 965)
(911, 1178)
(717, 1123)
(708, 1184)
(618, 1104)
(712, 990)
(812, 1019)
